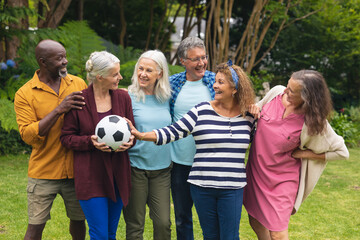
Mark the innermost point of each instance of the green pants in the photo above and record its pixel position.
(151, 187)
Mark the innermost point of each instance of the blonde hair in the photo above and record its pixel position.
(162, 90)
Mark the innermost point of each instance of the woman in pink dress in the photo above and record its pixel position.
(291, 146)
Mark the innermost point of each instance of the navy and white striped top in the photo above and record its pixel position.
(221, 143)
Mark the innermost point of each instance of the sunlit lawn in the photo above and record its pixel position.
(331, 212)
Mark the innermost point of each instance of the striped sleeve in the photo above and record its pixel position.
(180, 129)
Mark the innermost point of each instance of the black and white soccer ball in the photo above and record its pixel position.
(113, 130)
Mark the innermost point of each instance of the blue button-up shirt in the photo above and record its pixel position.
(178, 80)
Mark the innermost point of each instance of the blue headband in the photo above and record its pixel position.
(235, 77)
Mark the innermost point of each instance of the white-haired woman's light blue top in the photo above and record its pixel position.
(149, 115)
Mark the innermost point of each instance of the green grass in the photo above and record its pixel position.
(331, 211)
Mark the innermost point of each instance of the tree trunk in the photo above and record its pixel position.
(54, 13)
(151, 20)
(81, 10)
(122, 23)
(217, 31)
(12, 43)
(161, 24)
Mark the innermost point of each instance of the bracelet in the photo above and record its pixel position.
(142, 137)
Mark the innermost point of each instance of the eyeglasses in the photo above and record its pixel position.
(203, 58)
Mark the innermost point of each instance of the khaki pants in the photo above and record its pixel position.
(150, 188)
(41, 194)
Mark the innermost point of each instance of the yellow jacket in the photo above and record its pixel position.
(33, 101)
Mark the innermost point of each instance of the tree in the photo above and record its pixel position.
(265, 15)
(327, 42)
(51, 12)
(13, 19)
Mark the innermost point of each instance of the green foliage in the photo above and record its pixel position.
(173, 69)
(7, 115)
(12, 15)
(260, 77)
(105, 18)
(345, 127)
(79, 41)
(77, 37)
(10, 140)
(11, 143)
(124, 54)
(127, 70)
(9, 86)
(328, 41)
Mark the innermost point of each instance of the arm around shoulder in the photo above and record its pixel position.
(278, 89)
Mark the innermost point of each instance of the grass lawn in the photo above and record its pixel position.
(331, 211)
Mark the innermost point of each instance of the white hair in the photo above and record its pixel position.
(99, 64)
(162, 90)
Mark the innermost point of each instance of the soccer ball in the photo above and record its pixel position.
(113, 130)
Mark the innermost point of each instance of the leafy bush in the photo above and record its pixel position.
(77, 37)
(10, 140)
(10, 79)
(11, 143)
(173, 69)
(258, 79)
(127, 70)
(345, 127)
(7, 115)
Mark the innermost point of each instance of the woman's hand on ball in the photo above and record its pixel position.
(134, 131)
(100, 146)
(126, 145)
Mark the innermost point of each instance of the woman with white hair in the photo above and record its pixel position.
(150, 164)
(102, 174)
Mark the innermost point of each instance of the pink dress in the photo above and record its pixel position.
(272, 173)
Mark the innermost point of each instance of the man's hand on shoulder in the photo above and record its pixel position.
(74, 100)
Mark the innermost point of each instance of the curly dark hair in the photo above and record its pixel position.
(317, 99)
(245, 94)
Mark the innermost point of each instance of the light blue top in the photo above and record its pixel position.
(191, 94)
(149, 116)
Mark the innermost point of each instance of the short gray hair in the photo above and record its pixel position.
(162, 90)
(189, 43)
(99, 63)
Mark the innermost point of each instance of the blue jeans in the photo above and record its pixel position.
(219, 211)
(102, 216)
(180, 191)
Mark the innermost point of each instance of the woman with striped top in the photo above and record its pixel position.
(221, 129)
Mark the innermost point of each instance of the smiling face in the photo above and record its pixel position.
(293, 93)
(195, 69)
(223, 88)
(54, 61)
(148, 74)
(111, 81)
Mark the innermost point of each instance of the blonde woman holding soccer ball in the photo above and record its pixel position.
(102, 175)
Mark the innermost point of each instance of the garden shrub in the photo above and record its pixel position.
(77, 37)
(10, 140)
(345, 127)
(11, 143)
